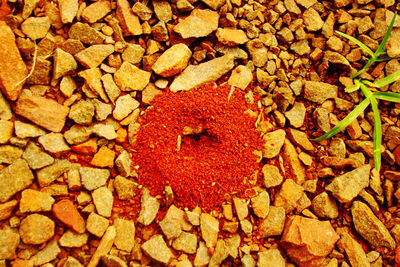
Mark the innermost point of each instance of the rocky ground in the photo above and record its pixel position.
(76, 75)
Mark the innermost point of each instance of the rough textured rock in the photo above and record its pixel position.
(273, 143)
(293, 163)
(43, 112)
(289, 195)
(96, 11)
(270, 258)
(68, 10)
(36, 229)
(272, 176)
(64, 63)
(124, 106)
(186, 242)
(82, 112)
(157, 249)
(35, 201)
(86, 34)
(347, 186)
(260, 204)
(92, 56)
(14, 178)
(370, 227)
(231, 37)
(209, 229)
(354, 251)
(319, 92)
(48, 174)
(325, 206)
(125, 238)
(7, 208)
(174, 222)
(35, 157)
(200, 23)
(36, 27)
(241, 77)
(12, 67)
(68, 214)
(149, 208)
(129, 22)
(9, 154)
(173, 61)
(131, 78)
(274, 222)
(9, 240)
(96, 224)
(308, 241)
(195, 75)
(104, 247)
(103, 200)
(93, 178)
(47, 254)
(71, 239)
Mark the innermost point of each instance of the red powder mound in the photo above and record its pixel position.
(210, 163)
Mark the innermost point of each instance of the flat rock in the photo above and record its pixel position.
(68, 10)
(12, 67)
(133, 53)
(71, 239)
(319, 92)
(9, 154)
(35, 201)
(36, 27)
(272, 176)
(36, 229)
(125, 238)
(149, 208)
(96, 11)
(196, 75)
(43, 112)
(296, 115)
(289, 195)
(131, 78)
(291, 160)
(129, 22)
(96, 224)
(124, 106)
(354, 251)
(271, 258)
(308, 241)
(27, 130)
(9, 241)
(67, 213)
(370, 227)
(231, 37)
(186, 242)
(14, 178)
(200, 23)
(54, 143)
(174, 222)
(347, 186)
(299, 138)
(103, 200)
(84, 33)
(273, 142)
(103, 158)
(273, 224)
(241, 77)
(47, 254)
(209, 227)
(173, 61)
(94, 55)
(157, 249)
(93, 178)
(82, 112)
(50, 173)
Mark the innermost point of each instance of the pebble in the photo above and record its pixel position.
(308, 241)
(50, 173)
(249, 261)
(370, 227)
(220, 254)
(103, 200)
(241, 77)
(5, 110)
(128, 21)
(47, 254)
(260, 204)
(113, 261)
(196, 75)
(150, 92)
(14, 178)
(142, 11)
(123, 163)
(300, 138)
(64, 63)
(241, 208)
(202, 255)
(131, 78)
(301, 47)
(272, 176)
(157, 249)
(96, 224)
(246, 226)
(289, 195)
(104, 130)
(337, 148)
(68, 10)
(9, 241)
(291, 159)
(35, 201)
(209, 227)
(6, 209)
(200, 23)
(103, 158)
(102, 110)
(273, 142)
(258, 52)
(174, 222)
(86, 34)
(296, 115)
(27, 130)
(133, 54)
(173, 61)
(94, 55)
(186, 242)
(318, 92)
(149, 208)
(9, 154)
(54, 143)
(93, 178)
(347, 186)
(270, 258)
(124, 106)
(93, 81)
(36, 229)
(393, 47)
(104, 247)
(125, 238)
(354, 251)
(42, 111)
(36, 27)
(274, 223)
(325, 206)
(321, 117)
(231, 37)
(67, 213)
(96, 11)
(71, 239)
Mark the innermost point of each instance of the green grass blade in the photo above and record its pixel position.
(387, 80)
(346, 121)
(369, 63)
(353, 88)
(357, 42)
(388, 96)
(377, 133)
(385, 38)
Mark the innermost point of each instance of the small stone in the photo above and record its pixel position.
(160, 32)
(96, 224)
(393, 47)
(12, 67)
(68, 86)
(258, 52)
(202, 255)
(102, 110)
(131, 78)
(241, 77)
(289, 195)
(103, 158)
(110, 87)
(354, 251)
(162, 10)
(300, 139)
(246, 227)
(27, 130)
(273, 142)
(273, 223)
(260, 204)
(35, 201)
(174, 222)
(196, 75)
(54, 143)
(337, 60)
(157, 249)
(214, 4)
(142, 11)
(186, 242)
(149, 93)
(231, 37)
(103, 200)
(308, 241)
(67, 213)
(234, 51)
(285, 35)
(43, 112)
(306, 3)
(64, 63)
(41, 73)
(93, 178)
(271, 258)
(296, 115)
(347, 186)
(312, 20)
(334, 43)
(86, 34)
(200, 23)
(123, 163)
(124, 106)
(149, 208)
(133, 54)
(96, 11)
(337, 148)
(272, 176)
(9, 241)
(370, 227)
(47, 254)
(209, 227)
(319, 92)
(325, 206)
(94, 55)
(50, 173)
(9, 154)
(104, 247)
(125, 238)
(14, 178)
(104, 130)
(129, 22)
(248, 261)
(301, 47)
(36, 27)
(5, 110)
(68, 10)
(291, 160)
(36, 229)
(110, 260)
(6, 209)
(93, 81)
(173, 61)
(241, 208)
(71, 239)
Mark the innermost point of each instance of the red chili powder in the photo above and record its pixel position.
(209, 164)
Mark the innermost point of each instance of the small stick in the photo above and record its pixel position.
(178, 143)
(32, 69)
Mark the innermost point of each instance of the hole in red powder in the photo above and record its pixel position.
(200, 144)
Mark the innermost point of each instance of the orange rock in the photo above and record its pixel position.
(122, 134)
(68, 214)
(12, 67)
(87, 148)
(129, 22)
(308, 241)
(396, 154)
(103, 158)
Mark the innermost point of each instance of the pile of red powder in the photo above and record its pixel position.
(209, 163)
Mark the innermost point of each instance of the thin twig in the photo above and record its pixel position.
(32, 69)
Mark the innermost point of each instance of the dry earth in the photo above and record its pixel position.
(69, 191)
